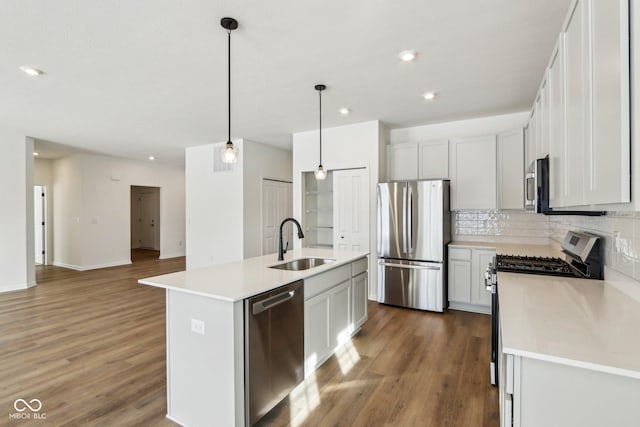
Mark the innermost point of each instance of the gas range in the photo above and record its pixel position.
(535, 265)
(582, 259)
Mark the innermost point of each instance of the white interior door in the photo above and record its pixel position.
(351, 209)
(39, 225)
(277, 204)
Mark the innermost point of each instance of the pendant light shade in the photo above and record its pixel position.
(229, 152)
(320, 172)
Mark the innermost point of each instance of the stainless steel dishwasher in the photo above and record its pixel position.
(274, 348)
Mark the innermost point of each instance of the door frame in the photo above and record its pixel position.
(262, 180)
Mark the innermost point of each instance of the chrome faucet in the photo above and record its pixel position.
(281, 250)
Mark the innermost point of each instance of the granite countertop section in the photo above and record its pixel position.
(238, 280)
(576, 322)
(514, 248)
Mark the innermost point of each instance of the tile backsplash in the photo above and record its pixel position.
(620, 232)
(500, 226)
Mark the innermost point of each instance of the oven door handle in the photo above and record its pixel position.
(490, 279)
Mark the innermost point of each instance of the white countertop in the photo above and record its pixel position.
(238, 280)
(577, 322)
(514, 248)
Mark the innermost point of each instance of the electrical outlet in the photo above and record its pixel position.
(197, 326)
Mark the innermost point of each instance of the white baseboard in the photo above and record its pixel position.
(17, 287)
(91, 267)
(174, 255)
(470, 308)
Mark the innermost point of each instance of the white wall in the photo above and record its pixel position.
(344, 147)
(224, 208)
(214, 203)
(260, 161)
(17, 258)
(43, 175)
(92, 210)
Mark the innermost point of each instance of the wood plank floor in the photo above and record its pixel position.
(91, 346)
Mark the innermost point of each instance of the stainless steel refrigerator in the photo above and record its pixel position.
(414, 228)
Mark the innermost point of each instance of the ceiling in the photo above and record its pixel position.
(148, 77)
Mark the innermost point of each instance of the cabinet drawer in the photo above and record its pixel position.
(320, 283)
(359, 266)
(460, 253)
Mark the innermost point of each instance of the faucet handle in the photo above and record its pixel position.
(286, 248)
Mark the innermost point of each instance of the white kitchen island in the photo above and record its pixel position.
(205, 326)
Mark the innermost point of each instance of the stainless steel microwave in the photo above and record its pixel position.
(536, 189)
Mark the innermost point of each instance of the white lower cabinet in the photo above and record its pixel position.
(535, 392)
(335, 308)
(467, 266)
(360, 292)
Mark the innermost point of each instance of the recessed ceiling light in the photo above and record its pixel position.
(152, 158)
(407, 55)
(344, 111)
(30, 71)
(35, 153)
(429, 96)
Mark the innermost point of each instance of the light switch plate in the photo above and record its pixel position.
(197, 326)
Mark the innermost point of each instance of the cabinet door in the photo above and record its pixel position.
(402, 161)
(473, 173)
(533, 140)
(359, 294)
(460, 281)
(480, 259)
(340, 314)
(557, 142)
(351, 209)
(434, 160)
(608, 153)
(542, 147)
(576, 109)
(317, 331)
(511, 170)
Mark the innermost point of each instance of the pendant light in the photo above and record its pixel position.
(229, 152)
(320, 173)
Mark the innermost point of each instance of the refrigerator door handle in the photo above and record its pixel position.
(410, 266)
(404, 217)
(410, 219)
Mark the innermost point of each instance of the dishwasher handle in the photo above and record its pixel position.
(271, 302)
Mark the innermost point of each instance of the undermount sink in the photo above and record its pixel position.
(302, 264)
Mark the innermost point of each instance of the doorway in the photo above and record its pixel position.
(277, 204)
(145, 223)
(40, 223)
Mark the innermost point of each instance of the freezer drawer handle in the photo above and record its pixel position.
(271, 302)
(415, 267)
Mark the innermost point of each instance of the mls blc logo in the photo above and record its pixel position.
(27, 410)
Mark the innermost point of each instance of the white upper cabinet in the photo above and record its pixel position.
(587, 121)
(402, 161)
(557, 125)
(472, 170)
(511, 170)
(434, 160)
(541, 108)
(608, 151)
(426, 160)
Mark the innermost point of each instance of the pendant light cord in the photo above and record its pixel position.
(229, 84)
(320, 111)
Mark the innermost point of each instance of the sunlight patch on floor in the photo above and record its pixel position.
(303, 400)
(347, 356)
